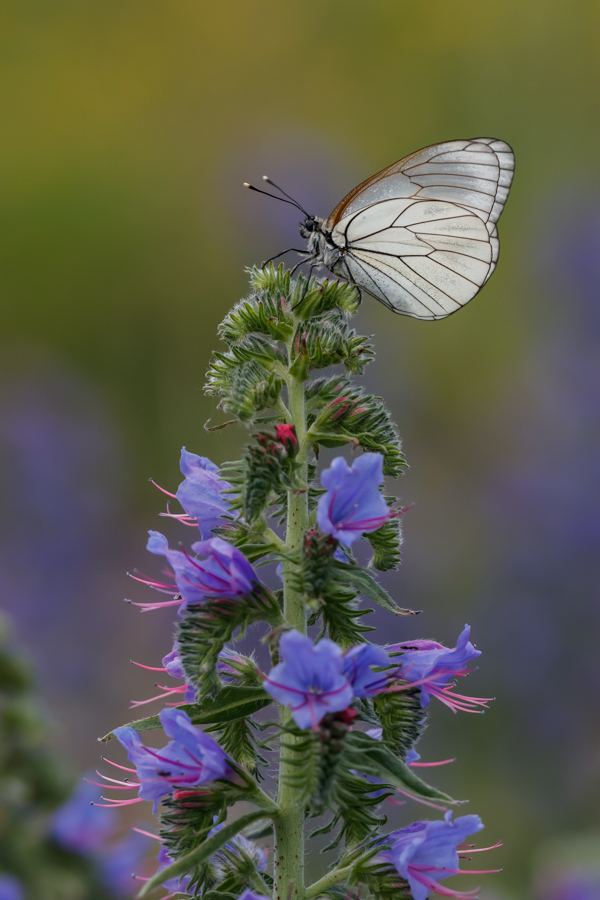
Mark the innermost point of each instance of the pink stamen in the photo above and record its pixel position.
(442, 762)
(436, 888)
(99, 784)
(180, 689)
(117, 766)
(115, 803)
(146, 607)
(150, 835)
(149, 668)
(423, 802)
(481, 849)
(127, 783)
(168, 493)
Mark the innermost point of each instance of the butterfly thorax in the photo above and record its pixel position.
(321, 248)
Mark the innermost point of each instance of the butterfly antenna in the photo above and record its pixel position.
(272, 183)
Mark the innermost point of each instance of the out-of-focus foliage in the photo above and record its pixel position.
(128, 129)
(32, 786)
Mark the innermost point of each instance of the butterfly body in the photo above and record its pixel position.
(421, 235)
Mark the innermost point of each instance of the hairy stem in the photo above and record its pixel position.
(289, 826)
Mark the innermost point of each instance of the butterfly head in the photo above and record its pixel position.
(310, 225)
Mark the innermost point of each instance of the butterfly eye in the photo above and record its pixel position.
(309, 224)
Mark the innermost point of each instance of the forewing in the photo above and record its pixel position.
(475, 174)
(422, 258)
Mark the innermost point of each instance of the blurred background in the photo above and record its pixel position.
(128, 129)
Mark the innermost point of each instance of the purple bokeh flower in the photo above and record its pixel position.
(250, 895)
(80, 827)
(424, 853)
(431, 666)
(310, 680)
(118, 861)
(203, 494)
(357, 667)
(11, 888)
(180, 883)
(352, 504)
(191, 758)
(225, 572)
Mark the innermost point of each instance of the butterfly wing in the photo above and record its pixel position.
(421, 236)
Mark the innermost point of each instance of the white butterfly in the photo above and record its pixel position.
(419, 236)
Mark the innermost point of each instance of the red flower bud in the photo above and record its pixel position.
(287, 435)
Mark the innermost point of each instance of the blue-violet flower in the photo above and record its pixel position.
(424, 853)
(190, 759)
(225, 573)
(310, 680)
(357, 667)
(431, 666)
(11, 888)
(352, 504)
(203, 494)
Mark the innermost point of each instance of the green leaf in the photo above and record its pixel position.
(364, 582)
(372, 757)
(232, 702)
(207, 848)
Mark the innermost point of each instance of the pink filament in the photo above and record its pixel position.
(117, 766)
(442, 762)
(149, 668)
(150, 835)
(114, 803)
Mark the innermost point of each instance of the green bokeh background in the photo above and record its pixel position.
(124, 238)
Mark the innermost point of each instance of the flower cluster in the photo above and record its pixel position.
(350, 712)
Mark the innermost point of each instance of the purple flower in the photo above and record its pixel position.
(424, 853)
(117, 863)
(191, 758)
(203, 493)
(172, 662)
(431, 666)
(353, 503)
(11, 888)
(173, 667)
(224, 573)
(357, 667)
(237, 845)
(80, 827)
(310, 680)
(180, 883)
(250, 895)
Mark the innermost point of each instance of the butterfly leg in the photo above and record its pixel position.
(289, 250)
(305, 291)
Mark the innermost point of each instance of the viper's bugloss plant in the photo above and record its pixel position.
(334, 718)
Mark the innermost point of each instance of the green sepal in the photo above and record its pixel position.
(373, 757)
(300, 368)
(386, 543)
(327, 295)
(206, 849)
(364, 582)
(232, 702)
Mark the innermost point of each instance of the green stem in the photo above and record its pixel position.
(289, 825)
(336, 876)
